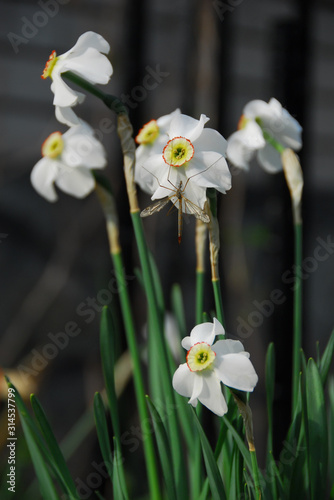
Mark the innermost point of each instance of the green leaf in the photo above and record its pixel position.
(331, 430)
(107, 336)
(215, 480)
(164, 451)
(102, 432)
(270, 390)
(240, 443)
(119, 490)
(34, 443)
(53, 446)
(326, 359)
(178, 309)
(317, 431)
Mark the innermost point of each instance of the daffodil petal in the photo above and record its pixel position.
(63, 95)
(237, 371)
(209, 169)
(86, 40)
(218, 327)
(228, 346)
(238, 151)
(211, 394)
(197, 388)
(186, 126)
(257, 108)
(187, 343)
(82, 149)
(91, 65)
(184, 380)
(210, 140)
(78, 182)
(203, 332)
(43, 176)
(290, 136)
(67, 116)
(270, 159)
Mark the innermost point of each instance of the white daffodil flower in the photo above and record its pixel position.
(67, 160)
(208, 364)
(259, 123)
(191, 159)
(87, 60)
(151, 138)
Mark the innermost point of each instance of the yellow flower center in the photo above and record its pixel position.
(50, 64)
(242, 122)
(200, 357)
(53, 146)
(148, 133)
(178, 151)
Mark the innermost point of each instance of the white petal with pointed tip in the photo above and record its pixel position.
(43, 176)
(78, 182)
(237, 371)
(211, 395)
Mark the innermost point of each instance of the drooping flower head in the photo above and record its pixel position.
(191, 156)
(85, 59)
(67, 162)
(208, 364)
(259, 123)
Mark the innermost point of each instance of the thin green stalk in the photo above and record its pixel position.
(199, 296)
(151, 461)
(218, 301)
(166, 376)
(297, 315)
(112, 102)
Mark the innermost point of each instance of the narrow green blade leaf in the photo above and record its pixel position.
(164, 451)
(33, 439)
(178, 309)
(331, 430)
(119, 492)
(326, 359)
(240, 443)
(107, 335)
(107, 344)
(215, 480)
(102, 432)
(53, 446)
(270, 390)
(317, 431)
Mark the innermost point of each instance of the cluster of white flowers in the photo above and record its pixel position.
(177, 159)
(68, 158)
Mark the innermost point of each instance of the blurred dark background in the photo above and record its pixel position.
(212, 57)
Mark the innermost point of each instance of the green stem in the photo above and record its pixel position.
(199, 296)
(151, 462)
(166, 375)
(297, 315)
(112, 102)
(218, 301)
